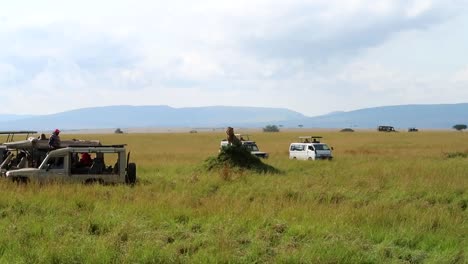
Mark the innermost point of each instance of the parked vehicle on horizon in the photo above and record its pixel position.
(248, 144)
(310, 148)
(64, 165)
(386, 129)
(413, 129)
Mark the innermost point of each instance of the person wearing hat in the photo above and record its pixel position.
(54, 140)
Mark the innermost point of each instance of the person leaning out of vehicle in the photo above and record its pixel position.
(54, 140)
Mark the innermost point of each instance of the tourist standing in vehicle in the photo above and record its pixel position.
(54, 140)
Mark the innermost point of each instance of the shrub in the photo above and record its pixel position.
(271, 128)
(459, 127)
(347, 130)
(118, 131)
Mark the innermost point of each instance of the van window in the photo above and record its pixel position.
(321, 147)
(311, 148)
(297, 147)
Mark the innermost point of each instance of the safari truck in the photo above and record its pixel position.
(310, 148)
(248, 144)
(31, 152)
(64, 165)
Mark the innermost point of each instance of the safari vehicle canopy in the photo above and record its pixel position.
(108, 164)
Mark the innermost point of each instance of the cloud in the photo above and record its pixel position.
(320, 31)
(264, 53)
(461, 76)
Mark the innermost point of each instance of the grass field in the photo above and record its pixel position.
(385, 198)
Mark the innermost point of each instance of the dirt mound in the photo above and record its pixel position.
(238, 157)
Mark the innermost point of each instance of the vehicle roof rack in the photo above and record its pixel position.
(307, 138)
(12, 133)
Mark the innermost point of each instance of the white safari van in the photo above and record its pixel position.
(310, 148)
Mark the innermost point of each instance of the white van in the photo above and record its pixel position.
(310, 148)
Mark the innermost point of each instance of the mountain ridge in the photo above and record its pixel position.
(435, 116)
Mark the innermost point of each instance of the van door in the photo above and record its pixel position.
(296, 151)
(310, 152)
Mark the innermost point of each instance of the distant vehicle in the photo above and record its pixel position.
(63, 165)
(31, 152)
(413, 129)
(386, 129)
(310, 148)
(248, 144)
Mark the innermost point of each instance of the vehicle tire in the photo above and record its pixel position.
(309, 158)
(130, 177)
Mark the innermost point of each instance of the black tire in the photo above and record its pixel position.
(130, 177)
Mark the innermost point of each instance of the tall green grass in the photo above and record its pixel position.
(385, 198)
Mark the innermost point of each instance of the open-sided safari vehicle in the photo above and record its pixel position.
(248, 144)
(31, 152)
(65, 165)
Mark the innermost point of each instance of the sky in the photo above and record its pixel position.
(314, 57)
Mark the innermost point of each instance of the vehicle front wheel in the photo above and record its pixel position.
(130, 177)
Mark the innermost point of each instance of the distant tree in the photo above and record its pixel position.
(459, 127)
(301, 126)
(281, 126)
(271, 128)
(347, 130)
(118, 131)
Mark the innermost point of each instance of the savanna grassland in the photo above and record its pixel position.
(385, 198)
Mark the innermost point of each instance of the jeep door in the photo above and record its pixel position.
(53, 170)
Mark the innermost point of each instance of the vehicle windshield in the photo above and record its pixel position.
(321, 147)
(251, 147)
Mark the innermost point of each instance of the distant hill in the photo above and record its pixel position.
(404, 116)
(152, 116)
